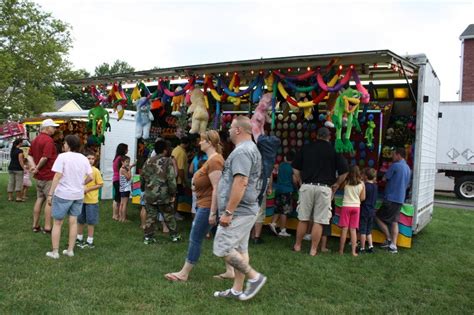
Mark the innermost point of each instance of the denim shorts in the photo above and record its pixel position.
(62, 207)
(89, 214)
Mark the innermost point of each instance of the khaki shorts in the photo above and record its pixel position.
(314, 202)
(263, 210)
(235, 236)
(42, 188)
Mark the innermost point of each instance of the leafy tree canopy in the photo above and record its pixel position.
(33, 57)
(118, 66)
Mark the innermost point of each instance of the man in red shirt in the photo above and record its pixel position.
(41, 157)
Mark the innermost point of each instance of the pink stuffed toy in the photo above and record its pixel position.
(260, 116)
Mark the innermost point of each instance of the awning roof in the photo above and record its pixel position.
(363, 61)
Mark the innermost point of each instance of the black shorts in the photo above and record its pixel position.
(366, 224)
(389, 212)
(125, 194)
(116, 186)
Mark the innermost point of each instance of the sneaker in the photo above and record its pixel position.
(68, 253)
(273, 228)
(370, 250)
(46, 231)
(393, 250)
(386, 244)
(252, 288)
(88, 245)
(178, 217)
(149, 240)
(53, 255)
(226, 294)
(361, 250)
(79, 243)
(284, 234)
(37, 229)
(307, 237)
(175, 238)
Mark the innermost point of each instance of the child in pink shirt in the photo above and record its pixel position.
(354, 193)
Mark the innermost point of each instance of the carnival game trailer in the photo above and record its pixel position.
(372, 101)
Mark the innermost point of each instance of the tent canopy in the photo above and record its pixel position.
(376, 64)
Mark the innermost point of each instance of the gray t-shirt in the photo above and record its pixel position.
(247, 161)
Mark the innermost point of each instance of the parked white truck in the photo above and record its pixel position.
(455, 154)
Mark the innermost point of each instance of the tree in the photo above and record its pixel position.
(33, 50)
(67, 92)
(119, 66)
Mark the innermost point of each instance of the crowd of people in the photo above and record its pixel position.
(227, 193)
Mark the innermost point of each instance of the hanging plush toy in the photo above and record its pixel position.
(369, 134)
(198, 109)
(347, 104)
(177, 102)
(98, 115)
(260, 116)
(330, 104)
(143, 119)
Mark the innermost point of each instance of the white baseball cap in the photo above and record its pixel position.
(48, 123)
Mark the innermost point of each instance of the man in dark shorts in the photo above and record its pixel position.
(398, 178)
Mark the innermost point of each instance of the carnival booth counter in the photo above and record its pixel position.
(372, 101)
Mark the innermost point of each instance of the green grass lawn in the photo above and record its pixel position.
(122, 275)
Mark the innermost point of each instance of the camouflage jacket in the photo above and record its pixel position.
(158, 180)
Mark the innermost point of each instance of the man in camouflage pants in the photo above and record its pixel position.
(158, 181)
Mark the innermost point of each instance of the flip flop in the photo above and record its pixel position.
(221, 277)
(172, 277)
(295, 251)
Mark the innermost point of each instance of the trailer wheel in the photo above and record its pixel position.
(464, 187)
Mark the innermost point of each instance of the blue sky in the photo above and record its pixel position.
(148, 33)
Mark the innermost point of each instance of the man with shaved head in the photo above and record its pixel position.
(238, 205)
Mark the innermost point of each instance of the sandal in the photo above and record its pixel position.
(37, 229)
(222, 277)
(174, 278)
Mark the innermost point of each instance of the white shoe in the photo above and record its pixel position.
(68, 253)
(54, 255)
(307, 237)
(273, 228)
(284, 234)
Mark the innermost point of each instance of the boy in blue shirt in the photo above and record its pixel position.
(398, 179)
(283, 195)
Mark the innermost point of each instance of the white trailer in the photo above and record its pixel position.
(455, 154)
(382, 67)
(424, 169)
(122, 131)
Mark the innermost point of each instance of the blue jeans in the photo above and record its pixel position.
(198, 232)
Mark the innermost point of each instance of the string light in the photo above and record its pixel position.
(340, 67)
(252, 72)
(227, 74)
(309, 68)
(299, 69)
(289, 69)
